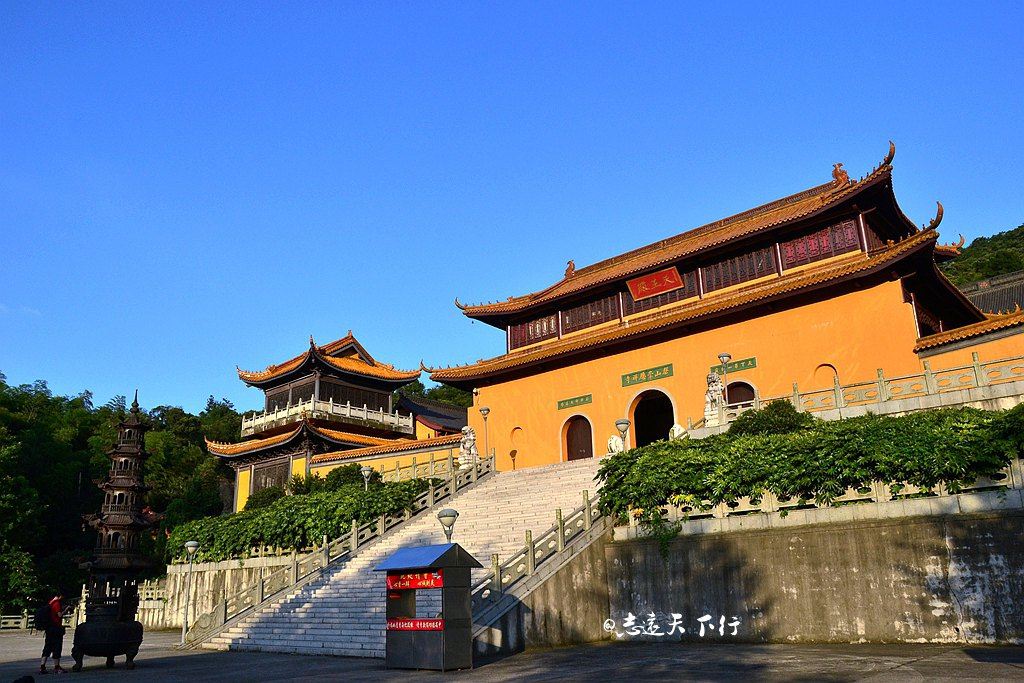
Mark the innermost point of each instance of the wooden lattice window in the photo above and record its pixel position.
(590, 314)
(821, 244)
(533, 331)
(733, 271)
(270, 474)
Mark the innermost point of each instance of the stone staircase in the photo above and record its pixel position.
(342, 612)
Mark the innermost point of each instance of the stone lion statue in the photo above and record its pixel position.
(468, 453)
(615, 444)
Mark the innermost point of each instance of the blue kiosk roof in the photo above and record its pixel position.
(429, 557)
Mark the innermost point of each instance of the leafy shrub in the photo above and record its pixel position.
(778, 417)
(817, 462)
(342, 476)
(300, 486)
(264, 497)
(293, 521)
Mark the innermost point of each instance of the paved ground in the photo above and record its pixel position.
(158, 662)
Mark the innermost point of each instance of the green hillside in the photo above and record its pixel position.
(987, 257)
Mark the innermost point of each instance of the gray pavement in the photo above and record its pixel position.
(158, 662)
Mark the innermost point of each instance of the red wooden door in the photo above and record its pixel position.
(579, 439)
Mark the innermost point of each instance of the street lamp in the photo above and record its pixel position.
(485, 411)
(622, 424)
(366, 471)
(725, 358)
(447, 518)
(191, 547)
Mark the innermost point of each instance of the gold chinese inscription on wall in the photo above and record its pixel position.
(648, 375)
(575, 401)
(736, 365)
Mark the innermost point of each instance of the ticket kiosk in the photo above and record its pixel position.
(442, 640)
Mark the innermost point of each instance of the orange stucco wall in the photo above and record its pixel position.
(856, 333)
(1006, 347)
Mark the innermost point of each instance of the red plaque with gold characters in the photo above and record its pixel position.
(434, 579)
(655, 283)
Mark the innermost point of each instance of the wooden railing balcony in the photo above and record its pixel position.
(326, 410)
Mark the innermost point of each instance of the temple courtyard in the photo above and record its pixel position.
(159, 661)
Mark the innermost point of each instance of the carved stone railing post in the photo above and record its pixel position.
(327, 551)
(295, 568)
(979, 372)
(883, 390)
(531, 554)
(222, 612)
(560, 541)
(260, 587)
(495, 573)
(430, 492)
(353, 541)
(382, 524)
(929, 379)
(795, 399)
(587, 516)
(837, 390)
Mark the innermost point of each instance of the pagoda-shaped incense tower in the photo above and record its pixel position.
(110, 627)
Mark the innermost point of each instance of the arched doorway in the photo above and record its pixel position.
(653, 417)
(741, 394)
(579, 438)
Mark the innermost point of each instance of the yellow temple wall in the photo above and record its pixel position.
(855, 333)
(242, 488)
(299, 467)
(386, 464)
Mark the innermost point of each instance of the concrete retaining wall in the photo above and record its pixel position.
(211, 582)
(946, 579)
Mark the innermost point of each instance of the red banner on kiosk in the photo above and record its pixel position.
(433, 579)
(415, 624)
(656, 283)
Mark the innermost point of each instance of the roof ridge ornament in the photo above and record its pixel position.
(459, 305)
(570, 268)
(839, 176)
(934, 223)
(892, 153)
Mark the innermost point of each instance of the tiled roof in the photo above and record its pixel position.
(785, 210)
(1000, 293)
(852, 264)
(435, 414)
(994, 323)
(253, 445)
(354, 364)
(393, 449)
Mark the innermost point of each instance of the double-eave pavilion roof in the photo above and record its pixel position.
(765, 218)
(304, 428)
(853, 265)
(356, 361)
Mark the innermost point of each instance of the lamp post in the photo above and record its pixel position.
(191, 547)
(447, 518)
(485, 411)
(622, 424)
(725, 358)
(366, 471)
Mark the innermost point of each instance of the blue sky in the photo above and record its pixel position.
(189, 186)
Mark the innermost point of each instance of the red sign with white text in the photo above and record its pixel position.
(415, 624)
(656, 283)
(433, 579)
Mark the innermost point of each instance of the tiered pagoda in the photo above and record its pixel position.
(110, 627)
(331, 398)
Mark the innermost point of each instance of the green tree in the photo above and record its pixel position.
(987, 257)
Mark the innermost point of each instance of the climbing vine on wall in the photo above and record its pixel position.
(814, 461)
(296, 521)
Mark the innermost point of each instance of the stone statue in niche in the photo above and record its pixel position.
(714, 400)
(615, 444)
(468, 453)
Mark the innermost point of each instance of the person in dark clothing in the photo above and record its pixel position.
(54, 643)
